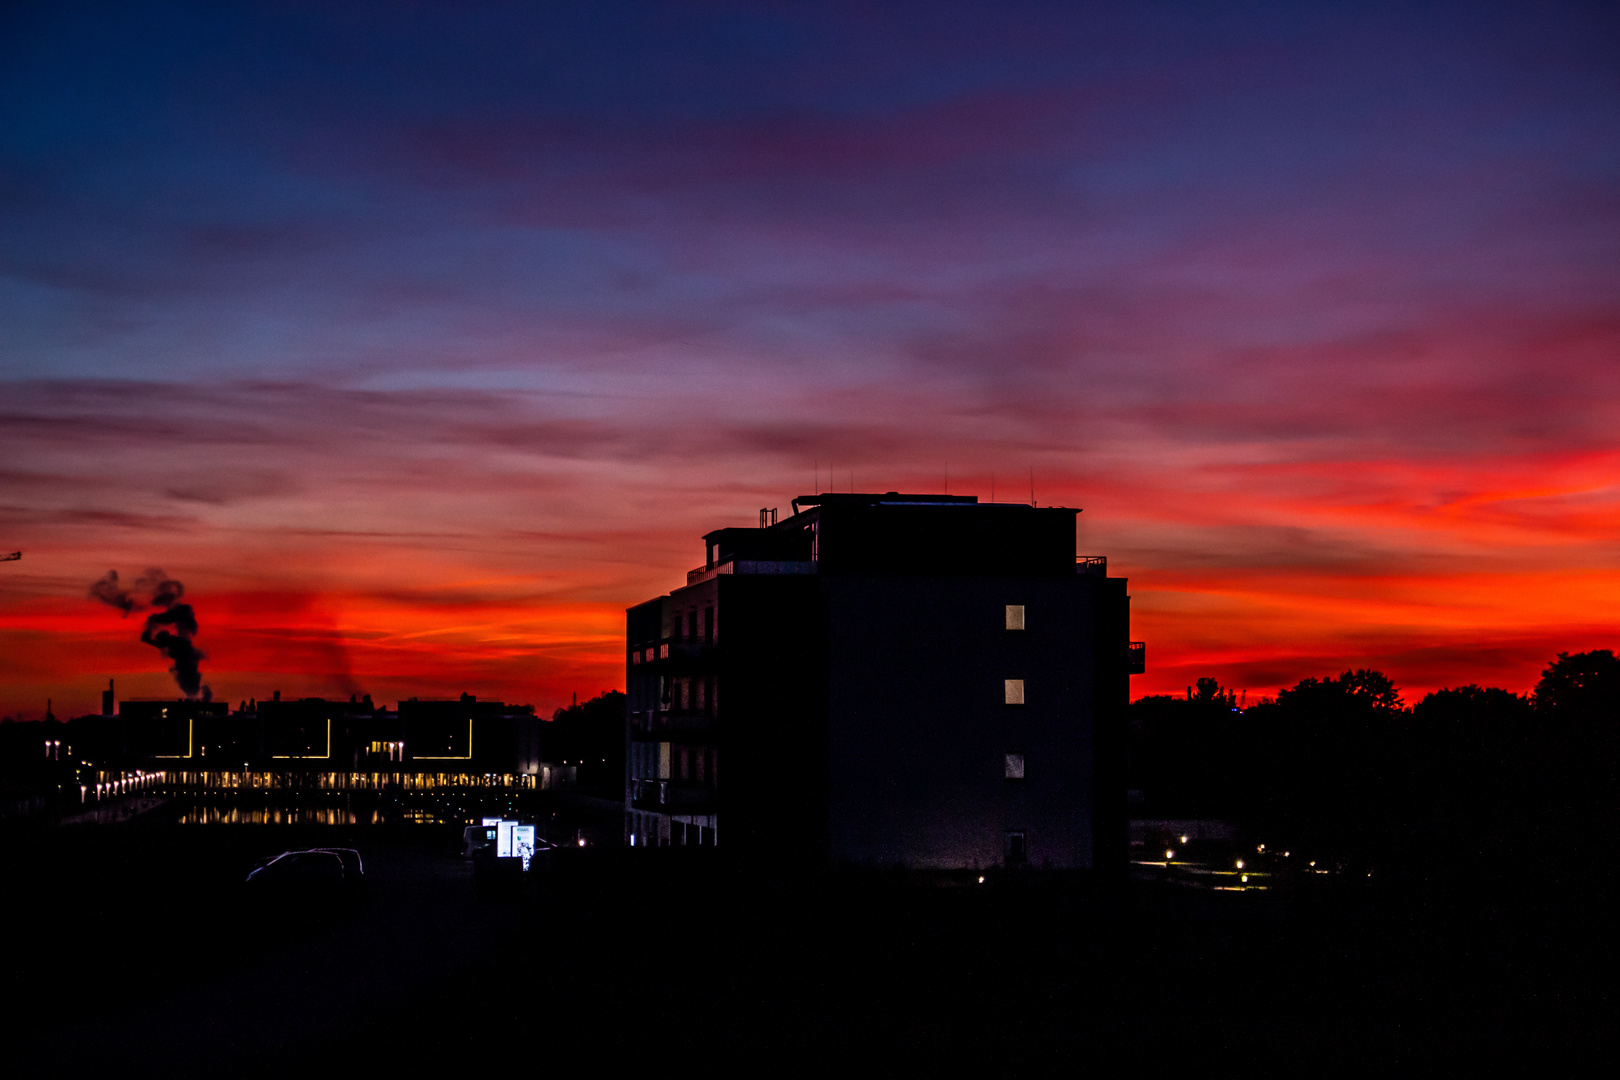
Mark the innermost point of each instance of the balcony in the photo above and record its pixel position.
(1091, 565)
(659, 724)
(670, 796)
(1136, 658)
(678, 649)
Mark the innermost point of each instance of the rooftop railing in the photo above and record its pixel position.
(751, 566)
(1096, 565)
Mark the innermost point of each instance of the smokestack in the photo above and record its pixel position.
(107, 699)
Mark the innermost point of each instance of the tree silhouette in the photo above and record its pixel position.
(1583, 684)
(591, 735)
(1473, 787)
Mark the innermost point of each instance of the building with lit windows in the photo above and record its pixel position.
(319, 743)
(886, 679)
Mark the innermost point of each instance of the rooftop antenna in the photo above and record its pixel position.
(992, 487)
(947, 478)
(1032, 485)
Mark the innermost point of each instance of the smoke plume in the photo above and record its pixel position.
(169, 629)
(108, 591)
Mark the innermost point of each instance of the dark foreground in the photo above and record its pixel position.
(131, 952)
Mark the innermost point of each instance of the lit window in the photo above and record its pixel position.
(1015, 766)
(1014, 691)
(1015, 616)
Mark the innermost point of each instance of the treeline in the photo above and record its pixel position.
(1342, 765)
(590, 734)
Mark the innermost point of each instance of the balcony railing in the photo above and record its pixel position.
(670, 649)
(1136, 658)
(655, 723)
(669, 795)
(1096, 565)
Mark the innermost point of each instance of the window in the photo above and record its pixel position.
(1015, 766)
(1016, 847)
(708, 625)
(1015, 616)
(1014, 690)
(691, 625)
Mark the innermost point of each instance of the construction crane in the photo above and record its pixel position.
(13, 557)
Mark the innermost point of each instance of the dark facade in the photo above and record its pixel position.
(889, 679)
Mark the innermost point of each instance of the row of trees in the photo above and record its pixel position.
(1342, 763)
(590, 734)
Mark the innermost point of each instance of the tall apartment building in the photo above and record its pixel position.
(886, 679)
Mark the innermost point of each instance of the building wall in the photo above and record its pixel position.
(920, 729)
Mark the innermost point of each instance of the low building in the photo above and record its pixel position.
(317, 743)
(886, 679)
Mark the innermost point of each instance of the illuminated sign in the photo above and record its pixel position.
(490, 821)
(523, 843)
(503, 839)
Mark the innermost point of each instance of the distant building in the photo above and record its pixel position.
(315, 743)
(921, 680)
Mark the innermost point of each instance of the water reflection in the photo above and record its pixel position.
(273, 815)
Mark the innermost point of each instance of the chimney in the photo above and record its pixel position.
(107, 699)
(277, 696)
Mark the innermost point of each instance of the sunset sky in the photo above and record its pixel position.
(418, 341)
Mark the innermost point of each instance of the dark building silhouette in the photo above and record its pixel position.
(922, 680)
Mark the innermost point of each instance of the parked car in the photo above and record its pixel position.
(354, 868)
(354, 871)
(309, 881)
(475, 838)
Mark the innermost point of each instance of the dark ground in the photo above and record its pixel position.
(130, 952)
